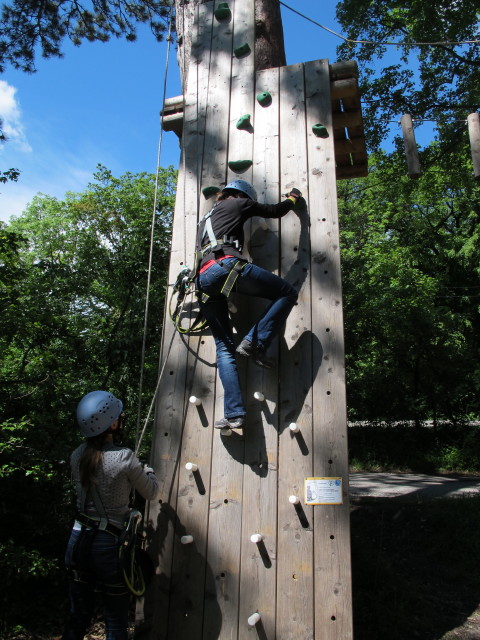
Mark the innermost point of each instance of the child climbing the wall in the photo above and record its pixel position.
(222, 268)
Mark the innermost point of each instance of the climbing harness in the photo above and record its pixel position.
(215, 244)
(185, 284)
(136, 565)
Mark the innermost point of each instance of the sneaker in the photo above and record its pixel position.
(247, 350)
(230, 423)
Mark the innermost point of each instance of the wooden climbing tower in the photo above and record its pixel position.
(211, 578)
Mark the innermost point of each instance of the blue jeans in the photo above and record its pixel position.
(94, 555)
(252, 281)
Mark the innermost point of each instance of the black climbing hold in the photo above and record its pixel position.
(240, 165)
(320, 130)
(264, 99)
(242, 50)
(208, 192)
(244, 122)
(222, 12)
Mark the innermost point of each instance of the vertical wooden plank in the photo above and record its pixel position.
(333, 619)
(191, 517)
(240, 142)
(221, 605)
(295, 596)
(258, 561)
(192, 569)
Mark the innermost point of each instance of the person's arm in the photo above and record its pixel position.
(272, 210)
(142, 478)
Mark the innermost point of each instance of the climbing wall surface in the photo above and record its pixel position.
(210, 577)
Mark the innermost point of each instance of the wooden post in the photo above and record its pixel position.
(411, 151)
(474, 134)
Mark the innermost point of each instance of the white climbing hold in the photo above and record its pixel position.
(191, 466)
(294, 499)
(186, 539)
(253, 619)
(258, 395)
(196, 401)
(256, 538)
(294, 428)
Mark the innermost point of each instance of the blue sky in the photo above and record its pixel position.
(101, 103)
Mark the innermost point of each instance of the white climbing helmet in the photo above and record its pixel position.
(96, 411)
(243, 186)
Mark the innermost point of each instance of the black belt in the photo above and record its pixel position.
(93, 523)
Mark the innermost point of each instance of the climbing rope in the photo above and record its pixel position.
(152, 403)
(152, 232)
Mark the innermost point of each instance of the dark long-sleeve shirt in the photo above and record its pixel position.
(228, 219)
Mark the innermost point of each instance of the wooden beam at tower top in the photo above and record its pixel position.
(350, 148)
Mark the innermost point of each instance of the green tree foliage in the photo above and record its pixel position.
(73, 276)
(410, 260)
(29, 26)
(438, 81)
(411, 256)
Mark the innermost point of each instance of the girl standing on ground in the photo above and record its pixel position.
(104, 475)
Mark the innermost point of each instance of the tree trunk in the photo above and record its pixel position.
(269, 44)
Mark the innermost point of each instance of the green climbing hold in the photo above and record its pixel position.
(242, 50)
(244, 122)
(222, 12)
(208, 192)
(264, 99)
(320, 130)
(240, 165)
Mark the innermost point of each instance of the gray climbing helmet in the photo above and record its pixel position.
(96, 411)
(243, 186)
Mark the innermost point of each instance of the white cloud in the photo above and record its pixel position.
(11, 115)
(13, 200)
(53, 172)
